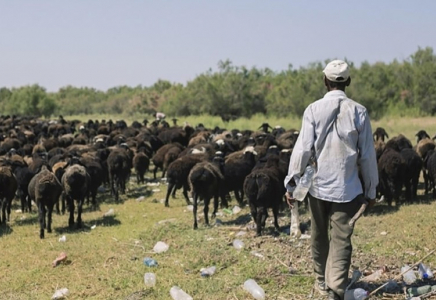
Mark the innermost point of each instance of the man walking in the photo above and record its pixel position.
(336, 131)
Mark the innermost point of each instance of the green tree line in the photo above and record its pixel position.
(399, 87)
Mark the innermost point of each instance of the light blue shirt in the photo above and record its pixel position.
(340, 151)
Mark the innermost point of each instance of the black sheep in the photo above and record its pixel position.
(45, 189)
(264, 190)
(205, 179)
(75, 183)
(8, 186)
(177, 174)
(141, 163)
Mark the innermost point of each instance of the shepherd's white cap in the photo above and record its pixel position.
(337, 71)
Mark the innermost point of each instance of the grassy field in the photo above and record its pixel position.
(107, 262)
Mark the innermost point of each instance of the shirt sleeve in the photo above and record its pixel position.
(367, 158)
(302, 149)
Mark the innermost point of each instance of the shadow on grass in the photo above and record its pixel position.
(5, 229)
(87, 226)
(27, 219)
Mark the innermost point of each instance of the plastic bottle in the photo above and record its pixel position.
(160, 247)
(208, 271)
(356, 294)
(110, 213)
(60, 294)
(150, 262)
(424, 271)
(409, 277)
(238, 244)
(303, 186)
(150, 279)
(254, 289)
(419, 290)
(179, 294)
(63, 239)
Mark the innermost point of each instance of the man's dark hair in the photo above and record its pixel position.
(337, 85)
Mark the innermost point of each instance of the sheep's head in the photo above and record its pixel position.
(250, 149)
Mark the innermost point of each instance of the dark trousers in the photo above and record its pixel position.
(331, 241)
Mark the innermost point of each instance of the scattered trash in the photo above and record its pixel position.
(257, 254)
(63, 239)
(190, 208)
(109, 213)
(375, 276)
(408, 277)
(150, 262)
(236, 209)
(254, 289)
(227, 211)
(152, 184)
(18, 211)
(420, 290)
(218, 222)
(61, 257)
(424, 271)
(305, 237)
(60, 294)
(149, 279)
(179, 294)
(241, 233)
(206, 272)
(166, 221)
(160, 247)
(391, 286)
(354, 278)
(356, 294)
(155, 190)
(238, 244)
(383, 233)
(140, 198)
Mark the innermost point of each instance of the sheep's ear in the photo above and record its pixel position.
(386, 135)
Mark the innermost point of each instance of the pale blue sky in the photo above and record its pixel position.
(103, 44)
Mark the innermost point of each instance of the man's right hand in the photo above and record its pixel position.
(290, 200)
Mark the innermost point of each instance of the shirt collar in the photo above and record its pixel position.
(335, 93)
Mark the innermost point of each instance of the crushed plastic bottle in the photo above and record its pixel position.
(254, 289)
(63, 239)
(356, 294)
(374, 276)
(160, 247)
(150, 262)
(238, 244)
(150, 279)
(179, 294)
(236, 210)
(109, 213)
(206, 272)
(60, 294)
(424, 271)
(408, 277)
(304, 184)
(418, 290)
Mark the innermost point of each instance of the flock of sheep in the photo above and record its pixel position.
(60, 163)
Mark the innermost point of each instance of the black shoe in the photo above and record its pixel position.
(333, 296)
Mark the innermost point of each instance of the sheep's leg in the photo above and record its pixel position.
(276, 214)
(23, 201)
(41, 217)
(215, 205)
(164, 171)
(29, 201)
(206, 210)
(94, 199)
(426, 181)
(259, 216)
(79, 213)
(185, 193)
(253, 211)
(9, 203)
(49, 217)
(195, 196)
(63, 203)
(71, 208)
(239, 197)
(154, 172)
(171, 187)
(3, 207)
(224, 203)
